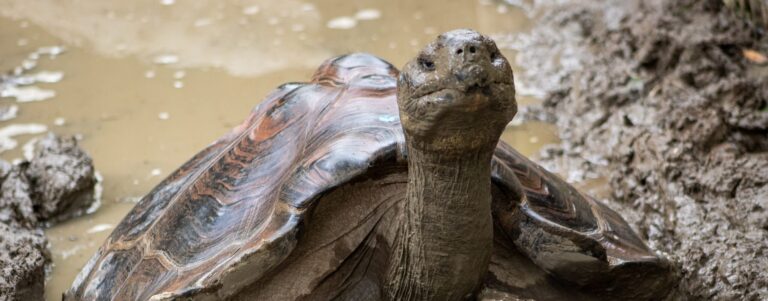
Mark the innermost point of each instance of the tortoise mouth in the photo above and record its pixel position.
(467, 90)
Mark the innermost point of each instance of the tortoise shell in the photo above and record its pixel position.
(284, 206)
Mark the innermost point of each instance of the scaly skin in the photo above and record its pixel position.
(455, 99)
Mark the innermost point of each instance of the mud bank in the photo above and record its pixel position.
(57, 183)
(668, 100)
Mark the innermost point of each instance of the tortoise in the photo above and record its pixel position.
(367, 183)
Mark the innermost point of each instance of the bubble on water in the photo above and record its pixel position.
(7, 133)
(297, 27)
(342, 23)
(59, 121)
(27, 94)
(533, 139)
(19, 84)
(430, 30)
(368, 14)
(502, 9)
(99, 228)
(155, 172)
(392, 45)
(48, 76)
(178, 84)
(8, 112)
(28, 150)
(166, 59)
(164, 115)
(167, 2)
(28, 64)
(98, 192)
(273, 21)
(149, 74)
(22, 42)
(179, 74)
(129, 199)
(251, 10)
(51, 51)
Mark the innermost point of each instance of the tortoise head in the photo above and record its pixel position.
(457, 95)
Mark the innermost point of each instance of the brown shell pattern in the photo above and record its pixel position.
(232, 212)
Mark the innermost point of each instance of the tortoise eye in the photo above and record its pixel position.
(426, 64)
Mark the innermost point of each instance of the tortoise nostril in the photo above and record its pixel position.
(459, 51)
(472, 49)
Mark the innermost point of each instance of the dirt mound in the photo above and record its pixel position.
(23, 259)
(58, 183)
(667, 100)
(62, 179)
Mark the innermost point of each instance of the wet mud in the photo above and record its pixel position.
(57, 183)
(62, 178)
(669, 101)
(24, 257)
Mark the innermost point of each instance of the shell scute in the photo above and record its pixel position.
(233, 211)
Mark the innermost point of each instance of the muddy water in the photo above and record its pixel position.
(149, 83)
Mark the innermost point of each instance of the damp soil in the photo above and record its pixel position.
(57, 182)
(144, 85)
(668, 100)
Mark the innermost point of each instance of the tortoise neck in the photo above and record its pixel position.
(446, 235)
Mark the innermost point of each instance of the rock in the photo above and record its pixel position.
(58, 183)
(62, 178)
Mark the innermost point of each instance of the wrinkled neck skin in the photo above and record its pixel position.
(445, 238)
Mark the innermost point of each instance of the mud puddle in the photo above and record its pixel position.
(146, 84)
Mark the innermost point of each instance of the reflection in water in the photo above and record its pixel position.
(148, 83)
